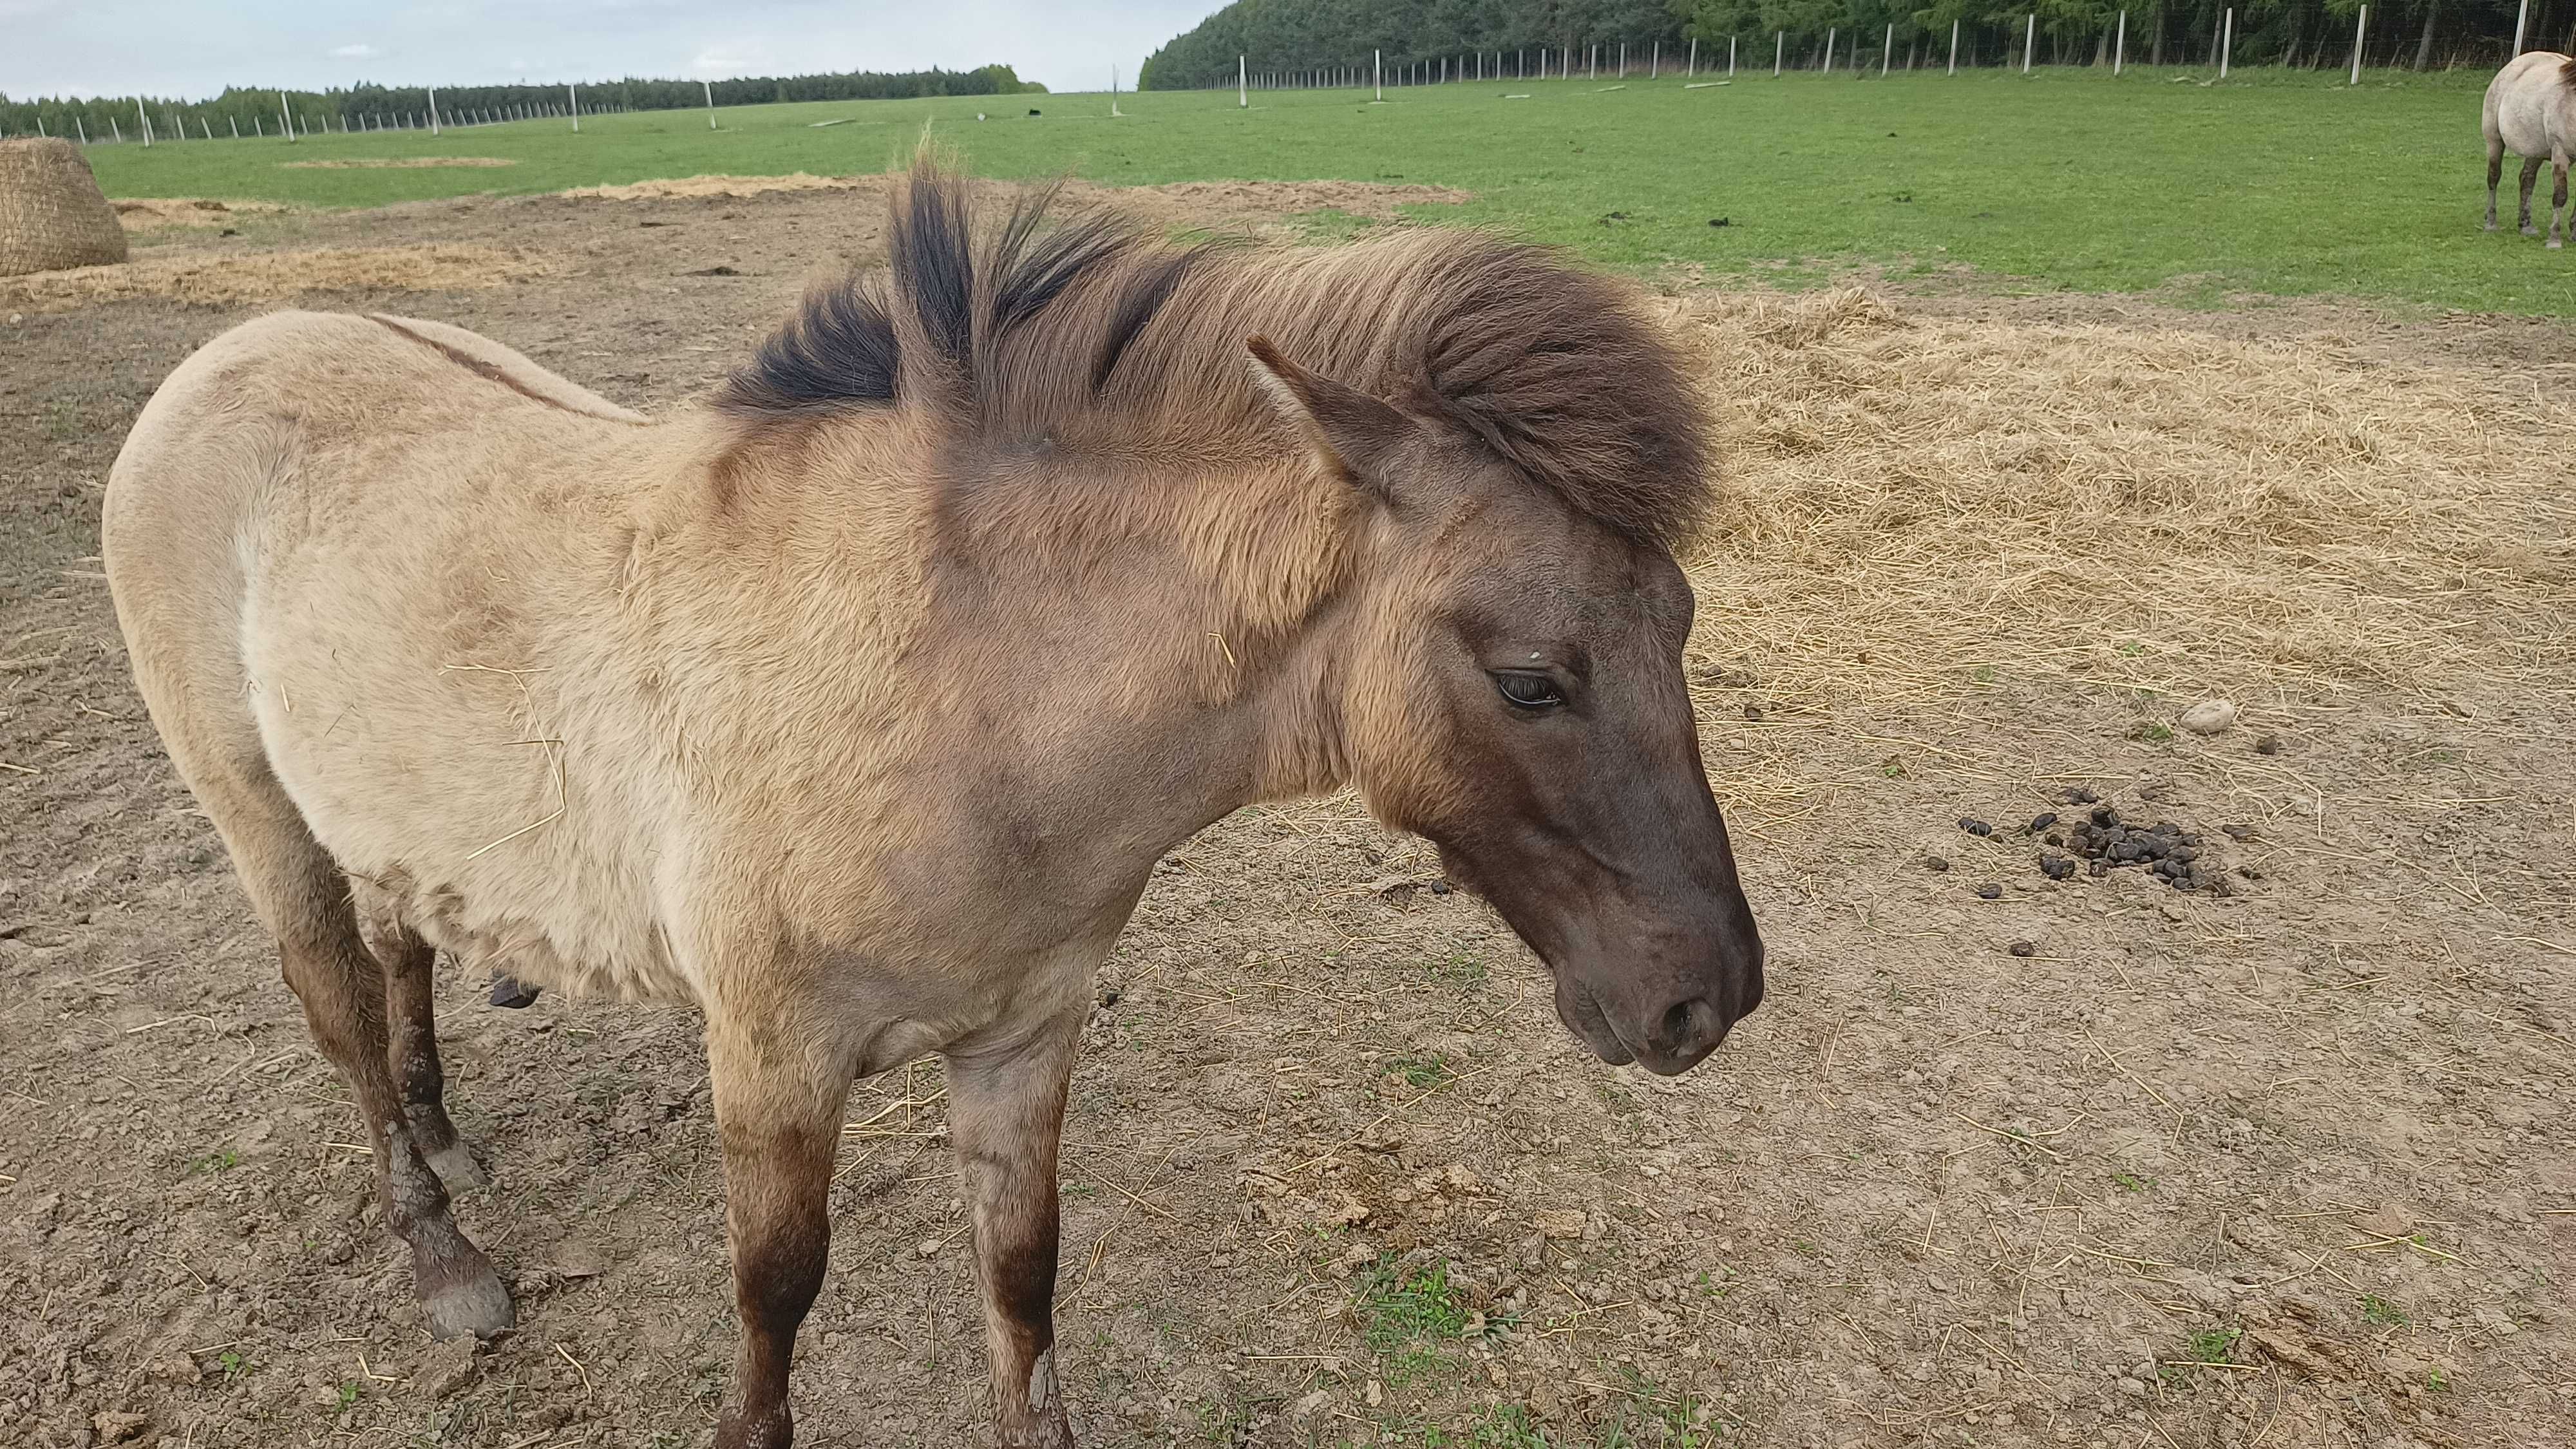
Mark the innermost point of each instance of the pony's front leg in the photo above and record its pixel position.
(778, 1101)
(1006, 1111)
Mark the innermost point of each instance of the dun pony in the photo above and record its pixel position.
(2530, 110)
(856, 704)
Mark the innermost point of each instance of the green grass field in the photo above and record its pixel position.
(2281, 183)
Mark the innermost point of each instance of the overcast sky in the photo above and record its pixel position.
(194, 48)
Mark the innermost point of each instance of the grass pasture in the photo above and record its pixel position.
(2287, 184)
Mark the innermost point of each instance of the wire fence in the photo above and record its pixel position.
(2356, 51)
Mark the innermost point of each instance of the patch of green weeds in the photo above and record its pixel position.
(222, 1161)
(1427, 1070)
(2211, 1345)
(1649, 1415)
(1504, 1426)
(2132, 1182)
(1408, 1316)
(2378, 1310)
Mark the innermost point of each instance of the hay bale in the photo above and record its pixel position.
(52, 214)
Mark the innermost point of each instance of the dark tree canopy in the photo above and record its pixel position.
(1297, 35)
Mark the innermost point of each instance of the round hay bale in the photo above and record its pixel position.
(52, 214)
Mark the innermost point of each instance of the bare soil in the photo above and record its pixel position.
(2290, 1166)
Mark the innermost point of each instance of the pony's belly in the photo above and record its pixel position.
(577, 953)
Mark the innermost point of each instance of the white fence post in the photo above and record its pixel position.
(285, 117)
(2029, 39)
(1884, 48)
(2120, 51)
(145, 121)
(572, 105)
(2227, 39)
(433, 110)
(2519, 16)
(1242, 82)
(1954, 47)
(1730, 57)
(1377, 72)
(1693, 72)
(710, 88)
(1779, 48)
(2360, 28)
(1829, 52)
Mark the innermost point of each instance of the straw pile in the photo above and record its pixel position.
(1919, 505)
(51, 212)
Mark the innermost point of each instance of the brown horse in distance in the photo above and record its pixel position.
(856, 705)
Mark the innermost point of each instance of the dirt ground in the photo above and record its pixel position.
(2292, 1166)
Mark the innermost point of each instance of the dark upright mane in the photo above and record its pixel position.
(1092, 332)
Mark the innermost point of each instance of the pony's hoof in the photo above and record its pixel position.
(738, 1428)
(2490, 226)
(465, 1296)
(2531, 231)
(2555, 244)
(457, 1170)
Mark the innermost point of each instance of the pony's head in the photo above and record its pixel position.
(1511, 683)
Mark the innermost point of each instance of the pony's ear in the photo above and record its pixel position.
(1352, 433)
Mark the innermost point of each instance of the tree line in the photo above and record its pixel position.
(246, 112)
(1291, 35)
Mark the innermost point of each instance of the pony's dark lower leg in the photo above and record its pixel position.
(2495, 173)
(778, 1117)
(2530, 175)
(2557, 199)
(305, 901)
(412, 1047)
(1006, 1112)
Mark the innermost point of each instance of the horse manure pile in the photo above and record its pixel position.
(2094, 838)
(2105, 842)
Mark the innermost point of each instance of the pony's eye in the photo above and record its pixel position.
(1529, 691)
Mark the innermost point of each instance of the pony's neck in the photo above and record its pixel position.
(1203, 598)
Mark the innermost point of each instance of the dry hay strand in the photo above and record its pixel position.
(153, 213)
(212, 279)
(689, 186)
(1912, 503)
(1378, 201)
(395, 163)
(1192, 203)
(52, 214)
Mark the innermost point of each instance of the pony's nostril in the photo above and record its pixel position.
(1686, 1024)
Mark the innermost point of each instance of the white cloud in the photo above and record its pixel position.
(718, 61)
(360, 51)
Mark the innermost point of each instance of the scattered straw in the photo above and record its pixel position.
(154, 213)
(1182, 203)
(224, 279)
(401, 163)
(1910, 499)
